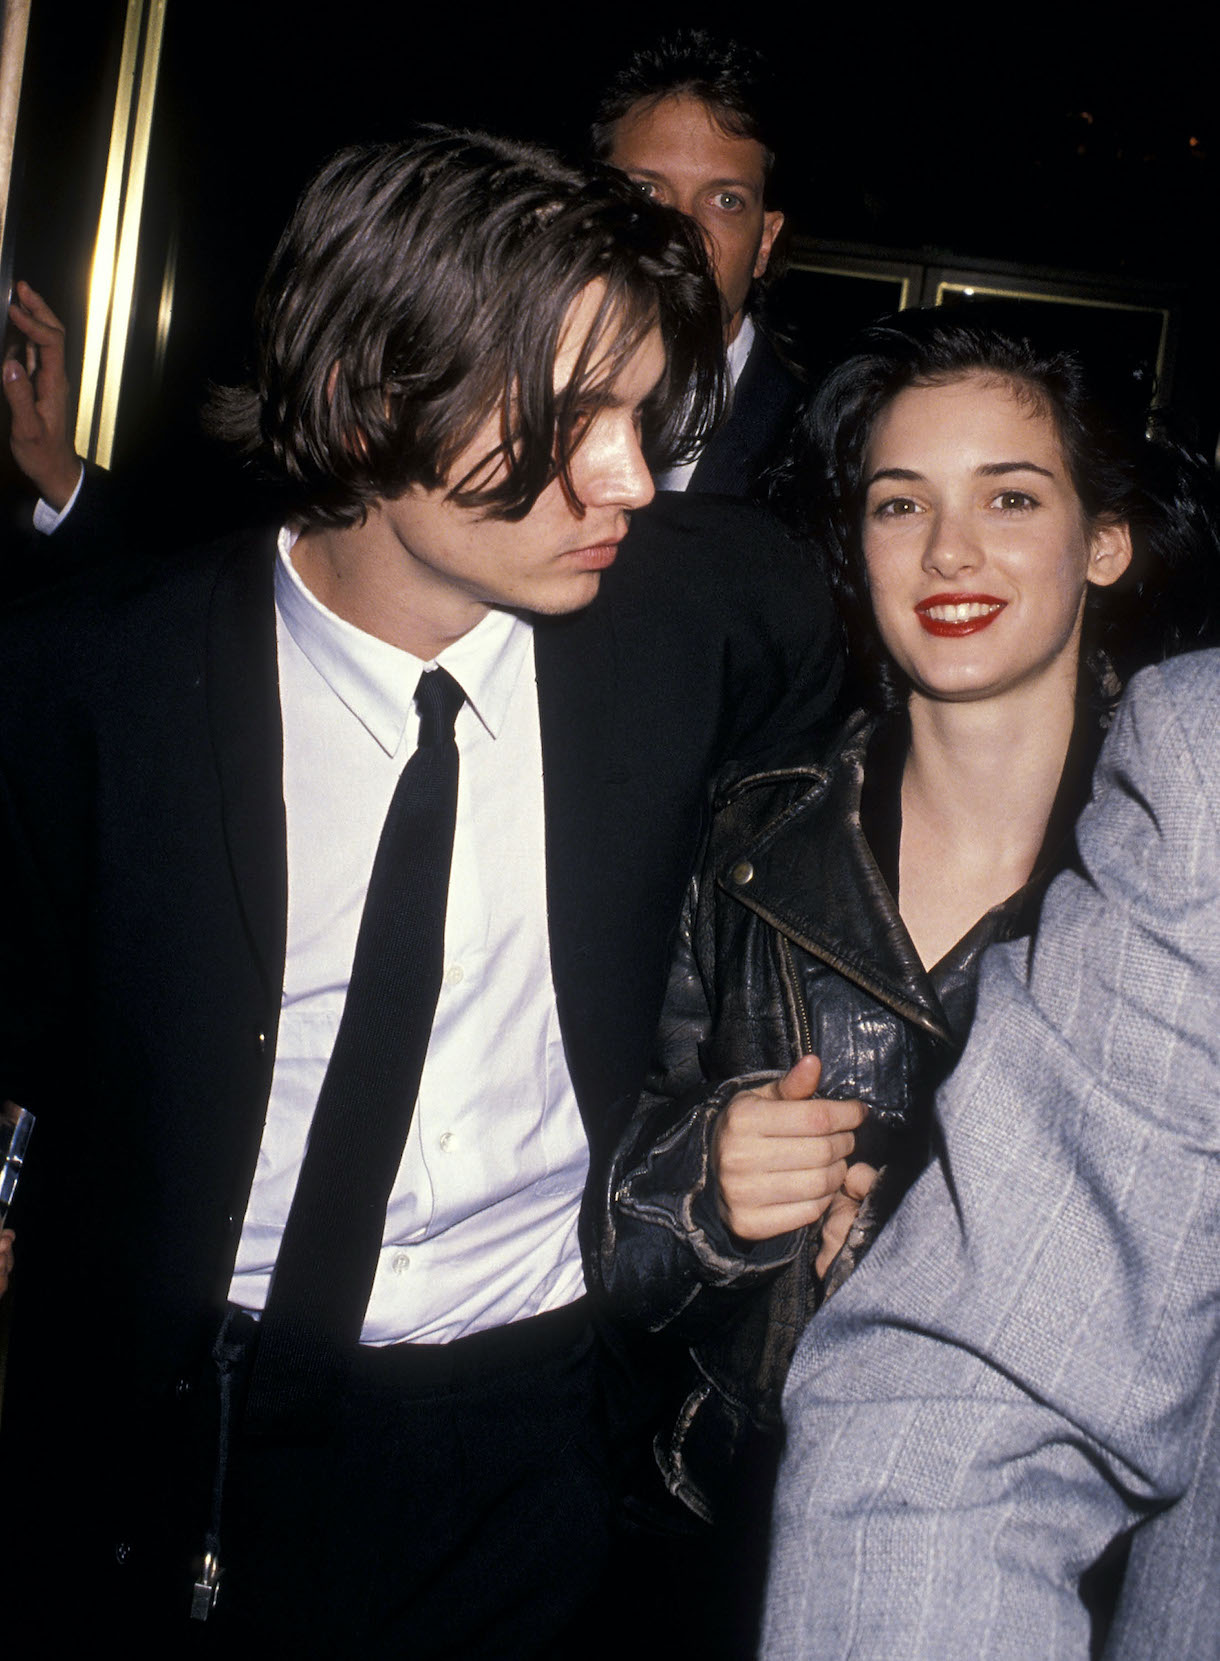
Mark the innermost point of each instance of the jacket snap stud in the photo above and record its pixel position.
(742, 872)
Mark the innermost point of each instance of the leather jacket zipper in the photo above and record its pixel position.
(792, 981)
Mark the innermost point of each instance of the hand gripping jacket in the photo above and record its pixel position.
(790, 943)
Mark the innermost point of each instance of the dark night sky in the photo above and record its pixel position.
(1033, 136)
(955, 130)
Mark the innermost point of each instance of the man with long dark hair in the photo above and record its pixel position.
(347, 862)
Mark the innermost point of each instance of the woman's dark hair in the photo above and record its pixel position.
(1125, 466)
(422, 288)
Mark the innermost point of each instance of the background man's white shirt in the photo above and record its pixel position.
(677, 478)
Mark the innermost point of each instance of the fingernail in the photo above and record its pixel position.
(12, 370)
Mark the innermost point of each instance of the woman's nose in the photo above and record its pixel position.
(952, 546)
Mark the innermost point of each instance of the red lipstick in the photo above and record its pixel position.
(953, 615)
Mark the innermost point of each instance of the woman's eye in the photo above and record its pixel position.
(1015, 501)
(896, 507)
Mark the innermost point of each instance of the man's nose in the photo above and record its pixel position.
(615, 473)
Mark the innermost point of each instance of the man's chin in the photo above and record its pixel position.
(562, 599)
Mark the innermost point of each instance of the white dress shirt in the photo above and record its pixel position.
(481, 1224)
(677, 478)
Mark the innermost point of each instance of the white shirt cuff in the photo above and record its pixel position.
(46, 519)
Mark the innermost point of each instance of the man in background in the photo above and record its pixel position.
(691, 122)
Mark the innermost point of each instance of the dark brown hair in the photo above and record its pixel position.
(421, 287)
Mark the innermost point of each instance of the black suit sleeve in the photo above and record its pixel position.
(99, 524)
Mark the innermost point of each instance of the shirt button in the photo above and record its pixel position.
(455, 974)
(400, 1263)
(446, 1141)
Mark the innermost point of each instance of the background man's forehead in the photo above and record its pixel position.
(723, 120)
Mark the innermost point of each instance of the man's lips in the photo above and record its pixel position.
(598, 557)
(951, 615)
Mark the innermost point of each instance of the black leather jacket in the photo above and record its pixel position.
(791, 942)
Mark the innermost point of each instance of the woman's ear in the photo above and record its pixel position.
(1109, 552)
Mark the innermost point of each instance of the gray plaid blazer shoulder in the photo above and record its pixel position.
(1025, 1368)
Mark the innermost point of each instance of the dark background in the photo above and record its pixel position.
(1047, 138)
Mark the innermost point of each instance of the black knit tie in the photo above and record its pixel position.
(328, 1255)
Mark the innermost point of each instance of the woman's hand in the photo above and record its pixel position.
(779, 1153)
(6, 1258)
(841, 1214)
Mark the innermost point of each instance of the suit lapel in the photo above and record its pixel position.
(247, 744)
(763, 402)
(575, 663)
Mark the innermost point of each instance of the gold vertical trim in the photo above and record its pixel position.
(12, 68)
(101, 277)
(165, 308)
(129, 233)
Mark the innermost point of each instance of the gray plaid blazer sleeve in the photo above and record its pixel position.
(1024, 1367)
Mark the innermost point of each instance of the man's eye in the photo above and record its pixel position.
(581, 421)
(728, 201)
(645, 188)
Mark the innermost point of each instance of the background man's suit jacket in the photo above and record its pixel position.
(764, 403)
(1026, 1364)
(142, 934)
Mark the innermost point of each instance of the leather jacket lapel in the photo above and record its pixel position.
(806, 871)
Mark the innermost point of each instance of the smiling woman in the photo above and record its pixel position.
(978, 556)
(992, 530)
(946, 512)
(967, 485)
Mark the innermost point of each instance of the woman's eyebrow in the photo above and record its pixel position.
(988, 470)
(993, 469)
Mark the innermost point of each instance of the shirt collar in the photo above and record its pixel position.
(739, 348)
(377, 681)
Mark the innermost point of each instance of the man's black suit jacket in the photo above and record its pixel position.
(765, 401)
(143, 925)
